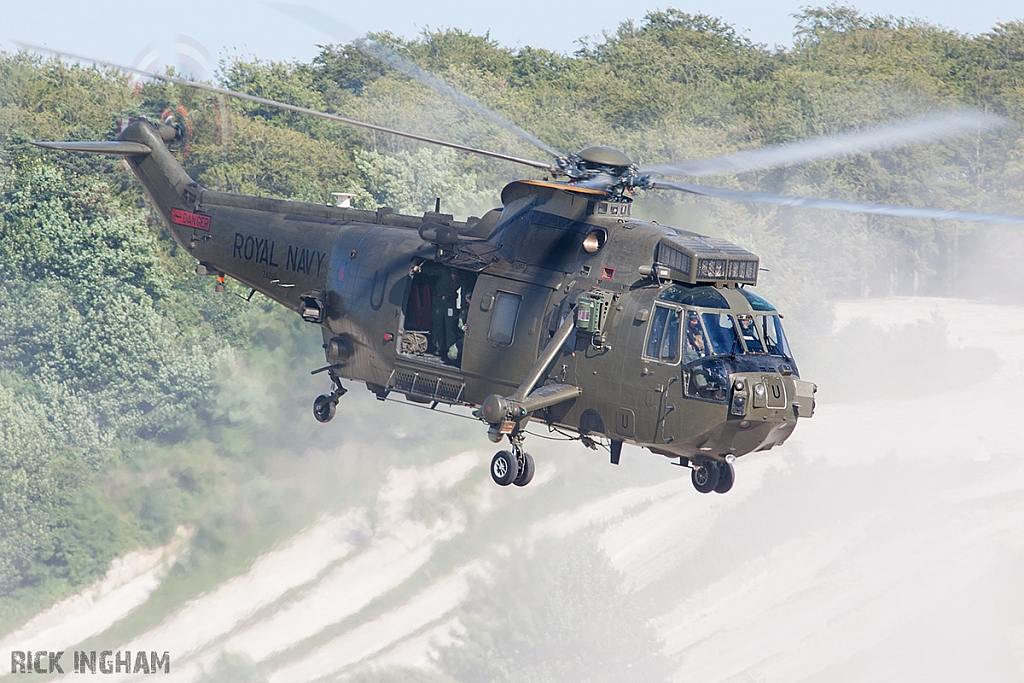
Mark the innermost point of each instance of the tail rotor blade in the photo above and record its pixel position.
(838, 205)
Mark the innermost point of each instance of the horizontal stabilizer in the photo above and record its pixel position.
(118, 147)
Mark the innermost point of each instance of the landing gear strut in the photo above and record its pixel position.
(326, 405)
(508, 415)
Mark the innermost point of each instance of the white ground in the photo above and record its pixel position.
(883, 542)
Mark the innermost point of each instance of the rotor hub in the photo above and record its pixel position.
(603, 156)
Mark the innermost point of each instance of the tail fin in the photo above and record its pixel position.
(163, 179)
(118, 147)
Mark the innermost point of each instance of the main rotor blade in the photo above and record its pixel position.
(547, 166)
(925, 128)
(325, 23)
(839, 205)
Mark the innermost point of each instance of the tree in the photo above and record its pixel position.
(558, 614)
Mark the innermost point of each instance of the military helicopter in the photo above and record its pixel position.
(558, 307)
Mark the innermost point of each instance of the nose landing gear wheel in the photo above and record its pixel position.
(705, 476)
(324, 407)
(726, 477)
(525, 475)
(504, 468)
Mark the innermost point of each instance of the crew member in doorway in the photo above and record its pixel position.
(455, 352)
(444, 295)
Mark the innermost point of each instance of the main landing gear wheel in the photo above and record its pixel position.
(726, 477)
(705, 476)
(324, 407)
(526, 471)
(504, 468)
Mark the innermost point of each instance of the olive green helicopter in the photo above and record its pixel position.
(559, 307)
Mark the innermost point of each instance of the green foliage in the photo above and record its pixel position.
(89, 362)
(232, 668)
(81, 279)
(559, 614)
(53, 229)
(48, 446)
(410, 181)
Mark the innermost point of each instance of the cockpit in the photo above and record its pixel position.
(697, 328)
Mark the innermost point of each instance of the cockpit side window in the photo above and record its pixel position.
(721, 330)
(695, 345)
(774, 338)
(748, 330)
(663, 338)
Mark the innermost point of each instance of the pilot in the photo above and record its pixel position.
(749, 331)
(695, 346)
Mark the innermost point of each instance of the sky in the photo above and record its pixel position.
(157, 34)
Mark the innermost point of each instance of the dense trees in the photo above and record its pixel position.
(562, 614)
(87, 357)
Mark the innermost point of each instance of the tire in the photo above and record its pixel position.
(324, 408)
(705, 476)
(526, 476)
(726, 477)
(504, 468)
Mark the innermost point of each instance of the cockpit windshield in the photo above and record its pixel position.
(748, 330)
(705, 334)
(695, 346)
(721, 330)
(774, 338)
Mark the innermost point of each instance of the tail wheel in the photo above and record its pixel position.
(705, 476)
(324, 408)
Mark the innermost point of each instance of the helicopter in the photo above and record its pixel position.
(558, 307)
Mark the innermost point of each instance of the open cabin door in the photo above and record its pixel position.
(502, 339)
(430, 335)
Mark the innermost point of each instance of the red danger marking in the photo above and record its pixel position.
(190, 220)
(607, 273)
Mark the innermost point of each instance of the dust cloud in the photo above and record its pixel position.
(884, 541)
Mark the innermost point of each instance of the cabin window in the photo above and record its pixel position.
(663, 339)
(707, 381)
(721, 330)
(504, 314)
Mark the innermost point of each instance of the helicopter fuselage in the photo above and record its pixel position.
(550, 254)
